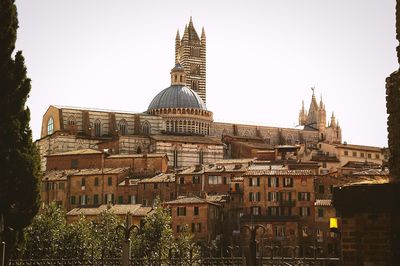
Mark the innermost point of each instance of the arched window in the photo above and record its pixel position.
(50, 126)
(97, 128)
(146, 128)
(71, 121)
(123, 127)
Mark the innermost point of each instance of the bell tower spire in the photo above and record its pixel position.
(190, 53)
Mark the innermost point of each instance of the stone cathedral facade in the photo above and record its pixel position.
(177, 121)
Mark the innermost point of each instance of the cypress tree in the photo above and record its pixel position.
(19, 158)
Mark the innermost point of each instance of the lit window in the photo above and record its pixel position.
(50, 126)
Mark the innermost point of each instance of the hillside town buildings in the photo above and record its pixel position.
(214, 177)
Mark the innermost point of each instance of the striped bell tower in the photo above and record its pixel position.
(190, 52)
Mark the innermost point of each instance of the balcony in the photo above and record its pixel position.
(267, 218)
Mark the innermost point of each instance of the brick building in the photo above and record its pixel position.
(202, 217)
(281, 200)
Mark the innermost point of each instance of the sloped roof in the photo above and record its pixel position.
(190, 200)
(58, 175)
(279, 172)
(160, 178)
(77, 152)
(119, 209)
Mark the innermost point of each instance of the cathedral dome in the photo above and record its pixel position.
(177, 96)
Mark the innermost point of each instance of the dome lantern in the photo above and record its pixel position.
(178, 76)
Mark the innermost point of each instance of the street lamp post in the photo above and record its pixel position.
(253, 243)
(126, 229)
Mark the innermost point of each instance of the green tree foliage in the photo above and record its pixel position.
(46, 234)
(105, 239)
(20, 163)
(50, 236)
(155, 238)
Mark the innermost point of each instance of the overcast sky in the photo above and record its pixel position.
(262, 57)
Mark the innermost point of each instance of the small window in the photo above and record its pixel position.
(362, 155)
(132, 199)
(181, 180)
(155, 185)
(254, 181)
(196, 179)
(74, 164)
(320, 212)
(279, 232)
(196, 210)
(214, 180)
(61, 185)
(321, 189)
(304, 211)
(354, 154)
(369, 155)
(73, 200)
(181, 211)
(95, 199)
(346, 153)
(120, 199)
(304, 196)
(288, 182)
(256, 210)
(109, 181)
(196, 227)
(273, 182)
(83, 182)
(96, 181)
(254, 196)
(377, 156)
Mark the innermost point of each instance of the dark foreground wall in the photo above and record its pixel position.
(370, 223)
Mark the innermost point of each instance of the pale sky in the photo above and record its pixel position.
(262, 57)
